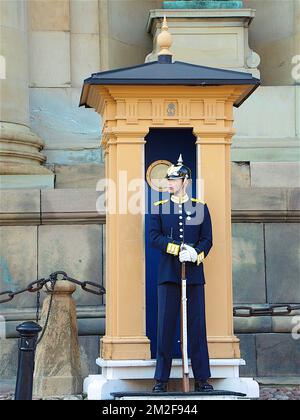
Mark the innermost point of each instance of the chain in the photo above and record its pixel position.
(271, 310)
(49, 284)
(38, 300)
(53, 282)
(37, 285)
(96, 288)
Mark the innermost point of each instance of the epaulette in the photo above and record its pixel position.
(196, 200)
(157, 203)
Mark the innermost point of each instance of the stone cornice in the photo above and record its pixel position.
(237, 216)
(78, 206)
(244, 15)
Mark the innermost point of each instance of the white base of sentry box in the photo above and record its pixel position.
(137, 375)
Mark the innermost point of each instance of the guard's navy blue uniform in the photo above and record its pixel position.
(170, 224)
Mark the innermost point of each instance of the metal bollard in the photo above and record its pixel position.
(28, 337)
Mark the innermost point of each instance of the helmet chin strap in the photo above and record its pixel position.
(182, 186)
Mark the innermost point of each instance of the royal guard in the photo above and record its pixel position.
(180, 227)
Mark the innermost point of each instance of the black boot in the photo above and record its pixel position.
(160, 387)
(203, 386)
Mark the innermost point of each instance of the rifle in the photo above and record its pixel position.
(183, 329)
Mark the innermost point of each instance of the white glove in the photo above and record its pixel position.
(184, 256)
(193, 253)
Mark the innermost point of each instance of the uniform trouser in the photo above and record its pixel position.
(169, 303)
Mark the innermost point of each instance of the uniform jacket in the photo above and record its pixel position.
(170, 224)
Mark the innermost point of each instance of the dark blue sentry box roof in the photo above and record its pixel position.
(167, 73)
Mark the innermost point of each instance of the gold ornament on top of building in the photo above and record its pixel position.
(164, 39)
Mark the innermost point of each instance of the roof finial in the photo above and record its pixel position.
(164, 39)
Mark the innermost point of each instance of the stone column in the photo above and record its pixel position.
(125, 336)
(19, 146)
(57, 361)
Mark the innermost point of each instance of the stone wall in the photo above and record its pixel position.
(275, 36)
(266, 270)
(43, 231)
(267, 144)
